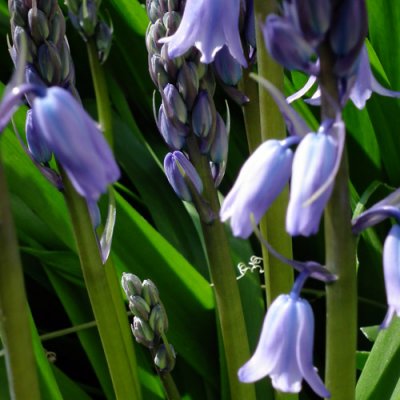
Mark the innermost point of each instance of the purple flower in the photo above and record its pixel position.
(391, 269)
(261, 179)
(285, 349)
(208, 25)
(314, 162)
(76, 142)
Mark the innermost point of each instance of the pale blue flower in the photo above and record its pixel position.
(391, 269)
(208, 25)
(314, 162)
(285, 348)
(261, 179)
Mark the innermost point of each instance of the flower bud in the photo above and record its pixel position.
(88, 17)
(18, 12)
(202, 120)
(67, 65)
(227, 68)
(188, 83)
(157, 71)
(47, 6)
(104, 36)
(143, 333)
(38, 25)
(174, 137)
(178, 168)
(150, 292)
(73, 5)
(175, 102)
(164, 362)
(20, 36)
(286, 45)
(49, 63)
(36, 144)
(219, 148)
(139, 307)
(158, 320)
(57, 28)
(131, 284)
(171, 21)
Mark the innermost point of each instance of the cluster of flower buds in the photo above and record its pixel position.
(150, 322)
(84, 15)
(41, 25)
(294, 38)
(186, 83)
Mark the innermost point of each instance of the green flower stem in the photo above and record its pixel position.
(15, 331)
(341, 296)
(119, 354)
(101, 91)
(169, 386)
(226, 291)
(278, 276)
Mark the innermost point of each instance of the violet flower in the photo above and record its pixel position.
(261, 179)
(391, 269)
(314, 163)
(67, 131)
(208, 25)
(285, 348)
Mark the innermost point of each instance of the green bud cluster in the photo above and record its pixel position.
(150, 320)
(187, 88)
(42, 25)
(84, 15)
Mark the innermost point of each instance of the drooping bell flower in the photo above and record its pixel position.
(208, 25)
(313, 164)
(391, 269)
(261, 179)
(285, 348)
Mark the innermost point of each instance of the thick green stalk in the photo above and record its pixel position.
(101, 91)
(278, 276)
(226, 291)
(120, 357)
(341, 296)
(15, 331)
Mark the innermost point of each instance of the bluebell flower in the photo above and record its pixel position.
(314, 163)
(285, 348)
(208, 25)
(76, 141)
(261, 179)
(391, 269)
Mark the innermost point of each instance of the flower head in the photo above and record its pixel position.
(208, 25)
(261, 179)
(76, 142)
(285, 349)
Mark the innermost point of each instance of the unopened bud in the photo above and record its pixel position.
(88, 17)
(150, 292)
(49, 63)
(227, 68)
(188, 83)
(104, 36)
(67, 67)
(131, 284)
(19, 12)
(143, 333)
(20, 38)
(38, 25)
(73, 5)
(219, 148)
(57, 28)
(175, 103)
(158, 320)
(139, 307)
(178, 168)
(171, 21)
(173, 136)
(202, 119)
(164, 360)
